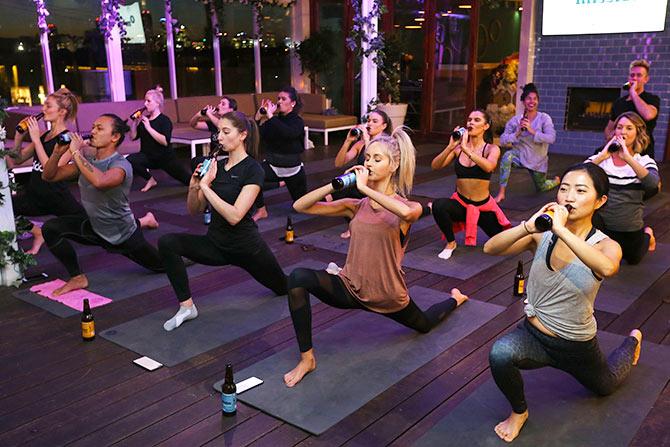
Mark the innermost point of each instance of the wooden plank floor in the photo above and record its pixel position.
(56, 390)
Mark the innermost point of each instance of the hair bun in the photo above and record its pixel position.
(158, 88)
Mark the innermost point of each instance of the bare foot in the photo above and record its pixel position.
(458, 296)
(282, 184)
(38, 240)
(149, 221)
(346, 234)
(150, 184)
(75, 283)
(261, 213)
(638, 335)
(652, 238)
(306, 365)
(509, 429)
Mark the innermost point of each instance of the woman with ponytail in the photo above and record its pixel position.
(41, 198)
(154, 130)
(380, 224)
(230, 187)
(471, 205)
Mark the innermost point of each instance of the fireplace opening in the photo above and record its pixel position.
(589, 108)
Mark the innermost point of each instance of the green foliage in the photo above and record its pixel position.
(317, 57)
(11, 255)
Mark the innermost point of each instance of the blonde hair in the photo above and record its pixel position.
(402, 153)
(66, 100)
(639, 63)
(641, 136)
(157, 93)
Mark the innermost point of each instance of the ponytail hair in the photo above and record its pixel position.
(66, 100)
(402, 153)
(119, 127)
(244, 124)
(157, 94)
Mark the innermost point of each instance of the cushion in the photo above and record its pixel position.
(316, 121)
(313, 102)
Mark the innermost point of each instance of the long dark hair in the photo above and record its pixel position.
(119, 126)
(244, 124)
(488, 133)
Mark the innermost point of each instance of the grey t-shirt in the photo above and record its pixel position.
(533, 149)
(109, 210)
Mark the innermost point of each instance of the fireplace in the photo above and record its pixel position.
(589, 108)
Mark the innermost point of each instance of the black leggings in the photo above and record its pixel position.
(33, 203)
(447, 211)
(261, 264)
(331, 290)
(528, 348)
(634, 244)
(78, 228)
(296, 184)
(141, 165)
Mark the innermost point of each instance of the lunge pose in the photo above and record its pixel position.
(154, 130)
(475, 158)
(631, 176)
(229, 187)
(560, 330)
(41, 198)
(104, 183)
(380, 224)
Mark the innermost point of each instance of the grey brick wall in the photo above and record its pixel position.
(597, 61)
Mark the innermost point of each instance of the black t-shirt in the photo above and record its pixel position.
(282, 139)
(39, 186)
(244, 236)
(622, 105)
(151, 147)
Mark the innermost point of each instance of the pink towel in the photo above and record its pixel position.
(74, 299)
(472, 217)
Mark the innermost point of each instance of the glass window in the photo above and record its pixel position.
(237, 49)
(193, 48)
(275, 42)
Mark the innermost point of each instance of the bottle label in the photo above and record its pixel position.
(522, 283)
(88, 329)
(228, 402)
(289, 236)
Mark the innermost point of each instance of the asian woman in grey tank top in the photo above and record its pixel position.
(575, 252)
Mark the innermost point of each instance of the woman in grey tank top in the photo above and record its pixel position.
(559, 330)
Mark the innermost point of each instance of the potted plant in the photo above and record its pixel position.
(317, 58)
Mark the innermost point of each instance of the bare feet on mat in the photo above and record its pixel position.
(149, 221)
(75, 283)
(150, 184)
(652, 238)
(282, 184)
(458, 296)
(38, 240)
(261, 213)
(448, 250)
(638, 335)
(509, 429)
(346, 234)
(306, 365)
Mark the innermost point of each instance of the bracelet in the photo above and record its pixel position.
(525, 227)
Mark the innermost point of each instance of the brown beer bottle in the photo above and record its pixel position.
(519, 280)
(229, 393)
(87, 323)
(290, 235)
(22, 127)
(137, 114)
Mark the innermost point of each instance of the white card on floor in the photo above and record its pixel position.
(247, 384)
(147, 363)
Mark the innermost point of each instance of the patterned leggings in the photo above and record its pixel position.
(511, 159)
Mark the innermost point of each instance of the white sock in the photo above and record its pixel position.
(333, 269)
(184, 314)
(446, 253)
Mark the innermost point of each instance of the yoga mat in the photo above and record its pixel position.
(277, 218)
(527, 200)
(74, 299)
(619, 292)
(358, 358)
(124, 280)
(659, 200)
(562, 412)
(435, 189)
(223, 316)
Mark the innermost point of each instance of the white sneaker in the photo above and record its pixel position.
(446, 253)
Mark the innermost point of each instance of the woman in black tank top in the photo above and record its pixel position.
(475, 158)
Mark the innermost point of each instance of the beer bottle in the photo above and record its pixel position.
(22, 127)
(544, 221)
(137, 114)
(519, 280)
(87, 323)
(290, 235)
(344, 181)
(229, 393)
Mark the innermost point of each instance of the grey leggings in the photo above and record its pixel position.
(528, 348)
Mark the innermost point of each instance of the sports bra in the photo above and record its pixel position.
(471, 171)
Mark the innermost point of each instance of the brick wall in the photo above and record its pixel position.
(597, 61)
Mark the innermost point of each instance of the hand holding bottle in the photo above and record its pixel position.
(33, 128)
(210, 175)
(531, 224)
(361, 176)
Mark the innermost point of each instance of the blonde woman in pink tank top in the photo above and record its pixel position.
(380, 224)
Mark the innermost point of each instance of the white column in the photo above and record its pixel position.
(46, 58)
(172, 67)
(258, 83)
(526, 48)
(216, 47)
(299, 32)
(115, 65)
(10, 274)
(368, 67)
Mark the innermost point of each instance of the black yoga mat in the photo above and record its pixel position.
(277, 215)
(435, 189)
(358, 359)
(619, 292)
(223, 316)
(562, 412)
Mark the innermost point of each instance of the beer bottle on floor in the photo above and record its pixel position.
(229, 393)
(519, 280)
(87, 323)
(290, 235)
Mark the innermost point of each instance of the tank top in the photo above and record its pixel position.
(563, 299)
(49, 191)
(475, 171)
(373, 272)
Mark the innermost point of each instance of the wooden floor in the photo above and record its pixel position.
(56, 390)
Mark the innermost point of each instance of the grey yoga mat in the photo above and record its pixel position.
(435, 189)
(619, 292)
(223, 316)
(358, 358)
(562, 412)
